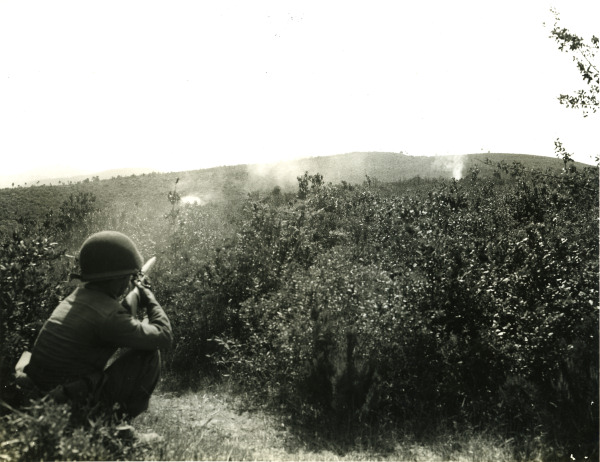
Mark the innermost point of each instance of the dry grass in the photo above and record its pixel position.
(212, 425)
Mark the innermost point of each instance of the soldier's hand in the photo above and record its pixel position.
(145, 281)
(146, 296)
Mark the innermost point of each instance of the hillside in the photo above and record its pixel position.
(234, 182)
(389, 166)
(63, 175)
(379, 320)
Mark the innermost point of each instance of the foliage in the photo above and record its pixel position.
(44, 430)
(225, 185)
(468, 303)
(187, 284)
(174, 198)
(28, 293)
(415, 303)
(33, 272)
(584, 55)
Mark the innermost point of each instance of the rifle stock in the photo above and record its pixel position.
(132, 299)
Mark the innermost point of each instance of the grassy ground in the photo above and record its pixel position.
(215, 425)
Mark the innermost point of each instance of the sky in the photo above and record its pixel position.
(183, 85)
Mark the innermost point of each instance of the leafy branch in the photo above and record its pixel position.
(584, 55)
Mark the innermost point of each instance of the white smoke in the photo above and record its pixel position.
(283, 174)
(195, 200)
(454, 164)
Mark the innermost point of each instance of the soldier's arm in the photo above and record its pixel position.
(123, 330)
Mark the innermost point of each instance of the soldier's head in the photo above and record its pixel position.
(108, 259)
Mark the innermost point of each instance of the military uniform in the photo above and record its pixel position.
(91, 347)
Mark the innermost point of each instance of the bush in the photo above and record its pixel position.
(33, 278)
(461, 303)
(468, 302)
(31, 271)
(45, 430)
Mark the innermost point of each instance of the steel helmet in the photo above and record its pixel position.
(108, 255)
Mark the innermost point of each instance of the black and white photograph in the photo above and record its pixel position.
(282, 230)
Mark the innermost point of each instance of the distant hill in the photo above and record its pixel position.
(104, 175)
(389, 166)
(59, 175)
(36, 175)
(140, 188)
(351, 167)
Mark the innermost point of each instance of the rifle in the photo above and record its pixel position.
(132, 299)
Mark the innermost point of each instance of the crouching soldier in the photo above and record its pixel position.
(74, 354)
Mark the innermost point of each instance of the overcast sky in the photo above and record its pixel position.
(179, 85)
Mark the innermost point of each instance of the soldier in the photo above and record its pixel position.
(74, 355)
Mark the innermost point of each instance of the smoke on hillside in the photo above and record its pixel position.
(351, 167)
(190, 193)
(453, 164)
(283, 174)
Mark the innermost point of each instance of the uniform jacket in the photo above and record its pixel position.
(85, 330)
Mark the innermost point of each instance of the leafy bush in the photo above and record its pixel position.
(469, 302)
(33, 278)
(44, 430)
(188, 281)
(478, 297)
(28, 293)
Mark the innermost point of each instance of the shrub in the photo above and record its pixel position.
(33, 277)
(470, 302)
(31, 270)
(44, 430)
(478, 297)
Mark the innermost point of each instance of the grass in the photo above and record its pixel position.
(214, 424)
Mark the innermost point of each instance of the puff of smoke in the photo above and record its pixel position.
(195, 198)
(192, 200)
(284, 174)
(454, 164)
(189, 194)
